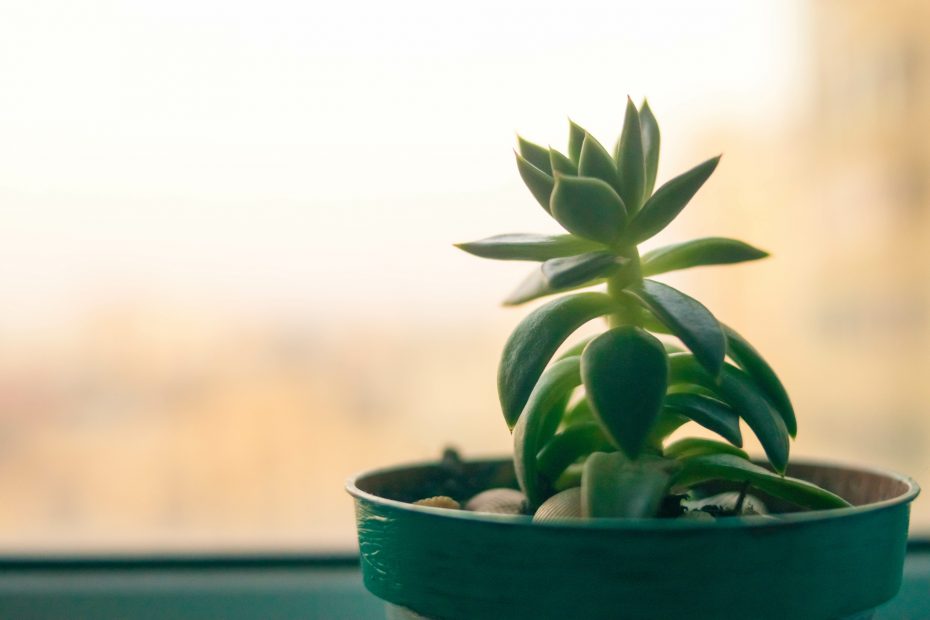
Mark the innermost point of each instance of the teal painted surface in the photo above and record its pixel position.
(271, 593)
(453, 564)
(913, 602)
(264, 591)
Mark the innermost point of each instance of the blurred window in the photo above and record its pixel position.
(226, 268)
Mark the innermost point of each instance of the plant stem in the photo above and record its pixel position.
(628, 313)
(738, 509)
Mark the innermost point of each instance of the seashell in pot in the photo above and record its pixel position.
(559, 507)
(498, 501)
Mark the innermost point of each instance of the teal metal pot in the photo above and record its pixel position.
(450, 564)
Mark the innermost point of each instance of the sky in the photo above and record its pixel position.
(309, 157)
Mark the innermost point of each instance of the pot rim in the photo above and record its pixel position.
(784, 520)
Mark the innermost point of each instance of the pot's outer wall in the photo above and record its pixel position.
(450, 564)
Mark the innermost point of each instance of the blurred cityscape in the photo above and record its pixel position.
(138, 425)
(176, 432)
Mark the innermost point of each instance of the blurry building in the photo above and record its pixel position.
(865, 224)
(838, 191)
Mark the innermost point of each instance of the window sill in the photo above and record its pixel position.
(253, 587)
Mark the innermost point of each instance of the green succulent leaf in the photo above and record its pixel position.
(570, 445)
(552, 420)
(601, 483)
(576, 134)
(561, 164)
(698, 253)
(596, 162)
(736, 469)
(535, 340)
(576, 348)
(625, 373)
(651, 140)
(577, 270)
(687, 319)
(737, 389)
(535, 154)
(570, 479)
(538, 182)
(527, 247)
(654, 325)
(630, 160)
(691, 447)
(668, 201)
(614, 487)
(667, 423)
(529, 434)
(588, 207)
(750, 360)
(535, 286)
(709, 413)
(579, 413)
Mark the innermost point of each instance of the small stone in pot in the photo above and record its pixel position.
(440, 501)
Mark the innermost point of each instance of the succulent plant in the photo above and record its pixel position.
(591, 428)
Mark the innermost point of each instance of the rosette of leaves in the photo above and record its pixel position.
(599, 417)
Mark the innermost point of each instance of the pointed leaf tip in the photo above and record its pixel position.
(750, 360)
(698, 253)
(596, 162)
(576, 134)
(538, 182)
(528, 247)
(561, 164)
(738, 390)
(668, 201)
(736, 469)
(535, 154)
(630, 159)
(651, 146)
